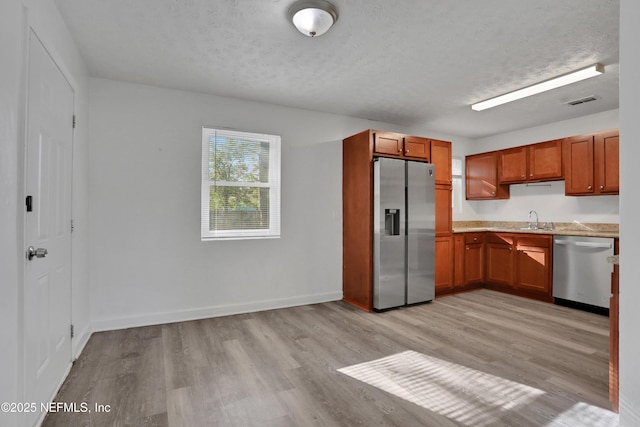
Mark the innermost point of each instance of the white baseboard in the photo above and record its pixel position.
(629, 414)
(80, 340)
(213, 311)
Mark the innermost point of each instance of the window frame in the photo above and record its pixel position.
(274, 184)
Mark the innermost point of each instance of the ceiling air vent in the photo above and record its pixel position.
(582, 100)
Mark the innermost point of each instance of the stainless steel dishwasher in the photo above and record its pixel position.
(581, 273)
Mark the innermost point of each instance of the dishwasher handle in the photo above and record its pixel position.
(584, 244)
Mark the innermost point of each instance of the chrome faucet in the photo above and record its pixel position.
(531, 224)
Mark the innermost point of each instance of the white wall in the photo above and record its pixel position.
(547, 199)
(15, 17)
(10, 68)
(148, 264)
(629, 208)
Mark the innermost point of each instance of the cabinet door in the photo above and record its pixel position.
(474, 263)
(416, 147)
(441, 157)
(387, 143)
(512, 165)
(545, 161)
(607, 162)
(444, 264)
(443, 210)
(500, 264)
(533, 268)
(578, 158)
(482, 177)
(458, 260)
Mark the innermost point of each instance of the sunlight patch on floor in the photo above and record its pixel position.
(465, 395)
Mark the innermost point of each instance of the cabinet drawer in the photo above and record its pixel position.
(541, 241)
(500, 238)
(473, 238)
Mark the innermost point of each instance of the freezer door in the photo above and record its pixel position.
(420, 232)
(389, 233)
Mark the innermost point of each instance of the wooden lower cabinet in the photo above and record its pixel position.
(532, 269)
(516, 263)
(458, 260)
(444, 265)
(519, 264)
(473, 263)
(500, 263)
(467, 268)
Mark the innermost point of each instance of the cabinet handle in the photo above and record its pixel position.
(493, 193)
(510, 248)
(589, 187)
(406, 151)
(602, 187)
(475, 239)
(531, 175)
(467, 247)
(522, 176)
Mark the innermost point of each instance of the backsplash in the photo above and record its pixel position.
(548, 200)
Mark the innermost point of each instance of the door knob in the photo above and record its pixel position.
(37, 253)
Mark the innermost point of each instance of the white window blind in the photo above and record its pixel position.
(240, 196)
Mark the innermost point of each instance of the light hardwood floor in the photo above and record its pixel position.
(279, 367)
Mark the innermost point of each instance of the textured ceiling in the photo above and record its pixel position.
(411, 62)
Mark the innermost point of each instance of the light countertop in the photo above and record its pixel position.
(566, 229)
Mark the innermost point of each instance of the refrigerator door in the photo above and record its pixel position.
(420, 232)
(389, 233)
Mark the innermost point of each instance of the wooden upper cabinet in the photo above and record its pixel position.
(531, 163)
(441, 158)
(592, 164)
(482, 177)
(606, 153)
(578, 154)
(416, 147)
(388, 143)
(512, 165)
(545, 161)
(399, 145)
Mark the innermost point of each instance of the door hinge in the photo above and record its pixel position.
(73, 226)
(71, 330)
(29, 203)
(73, 124)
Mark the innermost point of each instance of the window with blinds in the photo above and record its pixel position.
(240, 185)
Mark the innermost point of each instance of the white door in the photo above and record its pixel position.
(47, 288)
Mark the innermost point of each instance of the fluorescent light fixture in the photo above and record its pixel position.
(576, 76)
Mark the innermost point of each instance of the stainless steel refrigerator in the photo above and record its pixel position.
(403, 233)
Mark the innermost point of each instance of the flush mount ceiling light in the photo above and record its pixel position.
(576, 76)
(313, 18)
